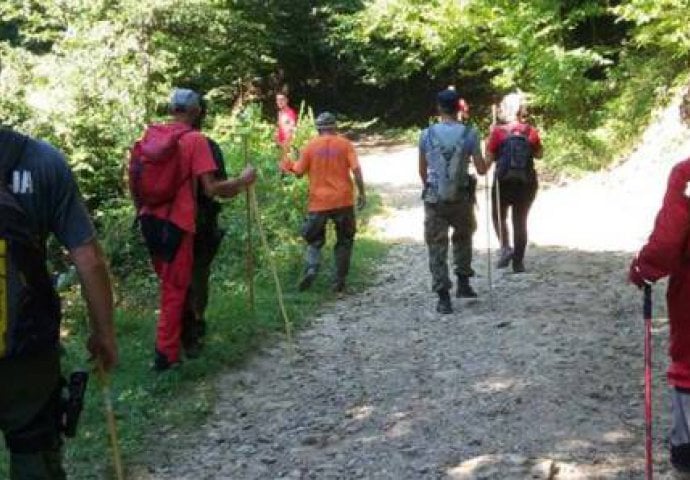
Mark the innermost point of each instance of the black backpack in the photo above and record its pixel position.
(29, 304)
(515, 157)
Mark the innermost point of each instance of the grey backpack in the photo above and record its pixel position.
(450, 162)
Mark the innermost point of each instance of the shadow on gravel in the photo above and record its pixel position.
(546, 385)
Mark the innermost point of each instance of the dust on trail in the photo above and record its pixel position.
(546, 385)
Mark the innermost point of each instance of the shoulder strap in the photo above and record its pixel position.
(11, 149)
(461, 140)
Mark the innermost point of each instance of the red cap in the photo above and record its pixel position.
(463, 106)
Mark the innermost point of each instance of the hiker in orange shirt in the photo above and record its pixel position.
(328, 160)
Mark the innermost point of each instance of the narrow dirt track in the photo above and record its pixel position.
(547, 384)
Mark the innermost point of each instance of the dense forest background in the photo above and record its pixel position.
(89, 74)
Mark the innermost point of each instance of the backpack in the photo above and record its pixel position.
(29, 305)
(515, 157)
(451, 165)
(155, 174)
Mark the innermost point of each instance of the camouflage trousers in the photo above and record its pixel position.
(438, 218)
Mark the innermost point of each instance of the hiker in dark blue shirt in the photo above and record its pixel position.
(42, 191)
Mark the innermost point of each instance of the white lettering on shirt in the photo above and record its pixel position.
(687, 190)
(22, 183)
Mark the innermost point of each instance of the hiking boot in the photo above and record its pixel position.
(444, 306)
(338, 286)
(518, 266)
(307, 279)
(464, 288)
(505, 258)
(161, 363)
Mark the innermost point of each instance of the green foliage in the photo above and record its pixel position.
(659, 23)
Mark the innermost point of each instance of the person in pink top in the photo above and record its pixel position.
(285, 128)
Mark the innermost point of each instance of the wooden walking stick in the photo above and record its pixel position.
(249, 247)
(647, 310)
(104, 381)
(274, 269)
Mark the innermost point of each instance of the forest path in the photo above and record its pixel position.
(547, 384)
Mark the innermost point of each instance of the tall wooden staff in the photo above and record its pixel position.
(104, 381)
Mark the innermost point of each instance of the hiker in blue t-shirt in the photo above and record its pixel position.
(445, 150)
(44, 189)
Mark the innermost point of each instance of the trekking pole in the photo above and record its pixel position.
(499, 225)
(274, 269)
(249, 246)
(647, 310)
(487, 196)
(104, 381)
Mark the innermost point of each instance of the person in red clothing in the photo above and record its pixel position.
(328, 160)
(667, 253)
(169, 228)
(512, 193)
(286, 125)
(463, 111)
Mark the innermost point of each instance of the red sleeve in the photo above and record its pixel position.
(200, 153)
(667, 244)
(292, 115)
(495, 139)
(534, 138)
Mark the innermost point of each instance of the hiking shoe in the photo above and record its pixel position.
(444, 306)
(464, 288)
(338, 286)
(518, 266)
(505, 258)
(161, 363)
(307, 279)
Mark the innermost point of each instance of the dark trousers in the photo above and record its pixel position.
(29, 416)
(314, 232)
(518, 197)
(206, 244)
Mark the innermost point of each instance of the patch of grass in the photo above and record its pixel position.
(150, 405)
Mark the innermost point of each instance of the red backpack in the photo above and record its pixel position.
(155, 173)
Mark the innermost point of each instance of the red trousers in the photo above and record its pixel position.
(175, 278)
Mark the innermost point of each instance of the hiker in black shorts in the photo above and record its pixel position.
(513, 145)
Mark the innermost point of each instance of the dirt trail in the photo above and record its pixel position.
(546, 385)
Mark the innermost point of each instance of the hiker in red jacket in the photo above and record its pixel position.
(169, 226)
(667, 253)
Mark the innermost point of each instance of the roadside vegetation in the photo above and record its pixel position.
(88, 76)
